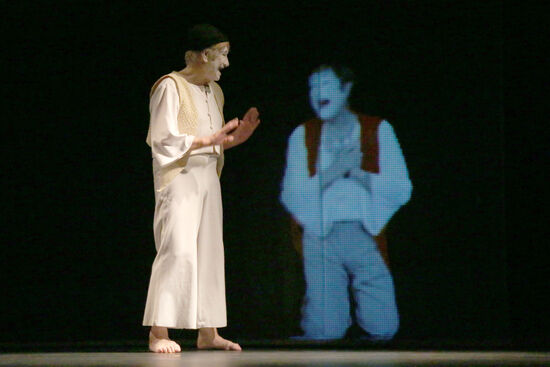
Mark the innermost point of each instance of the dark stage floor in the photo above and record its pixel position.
(305, 358)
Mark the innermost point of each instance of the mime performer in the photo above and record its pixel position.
(187, 136)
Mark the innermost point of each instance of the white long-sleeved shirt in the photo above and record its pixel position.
(346, 198)
(167, 144)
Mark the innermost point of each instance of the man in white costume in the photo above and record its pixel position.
(188, 137)
(345, 177)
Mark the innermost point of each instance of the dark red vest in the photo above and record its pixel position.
(369, 147)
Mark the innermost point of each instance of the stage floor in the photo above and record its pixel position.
(275, 358)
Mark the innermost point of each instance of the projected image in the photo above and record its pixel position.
(345, 177)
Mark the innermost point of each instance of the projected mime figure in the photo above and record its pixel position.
(345, 177)
(188, 137)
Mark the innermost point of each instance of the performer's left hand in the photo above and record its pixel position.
(363, 177)
(246, 127)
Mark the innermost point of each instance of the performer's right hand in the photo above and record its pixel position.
(345, 160)
(218, 138)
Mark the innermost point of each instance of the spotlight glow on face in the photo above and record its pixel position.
(327, 95)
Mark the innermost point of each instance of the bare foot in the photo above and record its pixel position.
(160, 343)
(209, 339)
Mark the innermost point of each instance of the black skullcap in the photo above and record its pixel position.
(202, 36)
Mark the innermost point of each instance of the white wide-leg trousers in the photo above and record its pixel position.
(187, 286)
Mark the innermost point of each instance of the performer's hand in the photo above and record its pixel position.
(355, 159)
(252, 115)
(222, 136)
(345, 160)
(246, 127)
(363, 177)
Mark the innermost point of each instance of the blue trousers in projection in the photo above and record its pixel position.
(347, 263)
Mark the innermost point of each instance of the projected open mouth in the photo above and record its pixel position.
(324, 102)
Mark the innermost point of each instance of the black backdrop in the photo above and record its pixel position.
(78, 246)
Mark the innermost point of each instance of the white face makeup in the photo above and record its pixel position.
(219, 62)
(327, 95)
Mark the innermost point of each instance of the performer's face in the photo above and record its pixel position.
(217, 60)
(327, 95)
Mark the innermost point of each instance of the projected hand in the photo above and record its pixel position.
(363, 177)
(246, 127)
(345, 160)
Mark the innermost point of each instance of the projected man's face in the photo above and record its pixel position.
(327, 95)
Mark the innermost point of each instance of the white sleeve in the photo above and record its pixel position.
(167, 144)
(393, 181)
(301, 194)
(391, 188)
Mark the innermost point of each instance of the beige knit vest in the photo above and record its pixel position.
(187, 124)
